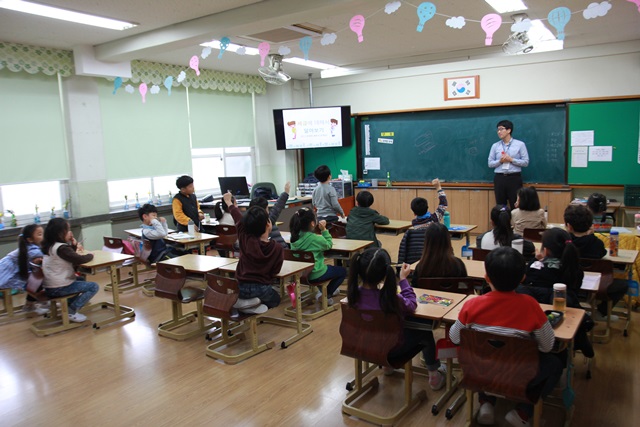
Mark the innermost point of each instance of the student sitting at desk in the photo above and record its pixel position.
(412, 242)
(274, 213)
(507, 313)
(260, 258)
(325, 197)
(362, 219)
(528, 213)
(597, 204)
(578, 221)
(155, 230)
(379, 292)
(502, 234)
(437, 258)
(185, 205)
(222, 214)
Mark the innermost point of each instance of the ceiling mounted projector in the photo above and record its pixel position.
(518, 42)
(273, 73)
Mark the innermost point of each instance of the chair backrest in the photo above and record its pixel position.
(499, 364)
(458, 285)
(369, 335)
(301, 256)
(602, 266)
(533, 234)
(227, 236)
(169, 281)
(478, 254)
(337, 231)
(264, 188)
(220, 296)
(112, 244)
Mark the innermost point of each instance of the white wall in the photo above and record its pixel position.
(592, 72)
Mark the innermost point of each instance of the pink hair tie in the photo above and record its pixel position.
(568, 241)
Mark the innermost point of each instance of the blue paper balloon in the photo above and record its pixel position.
(425, 12)
(168, 82)
(224, 44)
(305, 45)
(116, 84)
(559, 17)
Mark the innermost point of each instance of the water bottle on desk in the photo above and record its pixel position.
(191, 228)
(447, 219)
(614, 242)
(546, 215)
(559, 297)
(636, 221)
(388, 179)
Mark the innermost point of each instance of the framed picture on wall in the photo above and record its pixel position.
(461, 88)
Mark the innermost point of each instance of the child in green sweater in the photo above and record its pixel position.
(302, 224)
(362, 219)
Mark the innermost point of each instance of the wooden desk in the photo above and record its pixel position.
(342, 248)
(103, 261)
(199, 241)
(395, 226)
(457, 229)
(289, 269)
(199, 264)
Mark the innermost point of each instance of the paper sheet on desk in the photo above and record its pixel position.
(591, 281)
(621, 230)
(180, 236)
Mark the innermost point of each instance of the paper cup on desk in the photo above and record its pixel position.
(517, 244)
(374, 182)
(298, 193)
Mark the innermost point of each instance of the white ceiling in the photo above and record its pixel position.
(170, 31)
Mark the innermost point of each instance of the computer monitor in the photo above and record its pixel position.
(237, 185)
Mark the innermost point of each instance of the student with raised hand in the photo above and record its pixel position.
(274, 213)
(597, 204)
(502, 234)
(325, 197)
(222, 214)
(303, 238)
(527, 213)
(260, 259)
(61, 257)
(579, 221)
(372, 285)
(185, 205)
(14, 268)
(362, 220)
(511, 314)
(412, 243)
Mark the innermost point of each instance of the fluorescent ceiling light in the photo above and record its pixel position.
(65, 15)
(215, 44)
(504, 6)
(336, 72)
(307, 63)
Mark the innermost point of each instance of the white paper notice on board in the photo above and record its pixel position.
(372, 163)
(579, 157)
(385, 140)
(600, 154)
(367, 140)
(581, 138)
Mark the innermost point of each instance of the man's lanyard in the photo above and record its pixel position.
(505, 149)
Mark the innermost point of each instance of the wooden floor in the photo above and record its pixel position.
(127, 375)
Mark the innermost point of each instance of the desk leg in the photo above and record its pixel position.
(302, 329)
(120, 312)
(202, 249)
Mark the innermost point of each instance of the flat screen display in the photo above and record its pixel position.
(318, 127)
(236, 185)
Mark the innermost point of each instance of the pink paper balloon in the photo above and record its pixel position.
(636, 2)
(357, 24)
(143, 91)
(195, 63)
(263, 49)
(490, 23)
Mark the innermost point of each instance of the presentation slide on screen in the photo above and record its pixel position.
(312, 128)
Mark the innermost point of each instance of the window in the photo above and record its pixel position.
(211, 163)
(144, 187)
(23, 198)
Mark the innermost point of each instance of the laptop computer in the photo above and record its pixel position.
(236, 185)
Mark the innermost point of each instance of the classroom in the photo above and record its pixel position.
(91, 123)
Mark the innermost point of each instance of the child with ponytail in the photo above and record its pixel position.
(378, 291)
(502, 235)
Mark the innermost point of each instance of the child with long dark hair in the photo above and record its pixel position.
(61, 257)
(437, 258)
(501, 234)
(14, 268)
(528, 213)
(378, 291)
(303, 238)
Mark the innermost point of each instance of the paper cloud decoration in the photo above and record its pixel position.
(241, 51)
(181, 76)
(205, 52)
(521, 26)
(129, 89)
(155, 89)
(456, 22)
(392, 7)
(328, 38)
(284, 50)
(595, 10)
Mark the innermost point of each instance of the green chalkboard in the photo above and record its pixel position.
(614, 124)
(454, 144)
(336, 158)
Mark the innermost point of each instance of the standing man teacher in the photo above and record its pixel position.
(507, 157)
